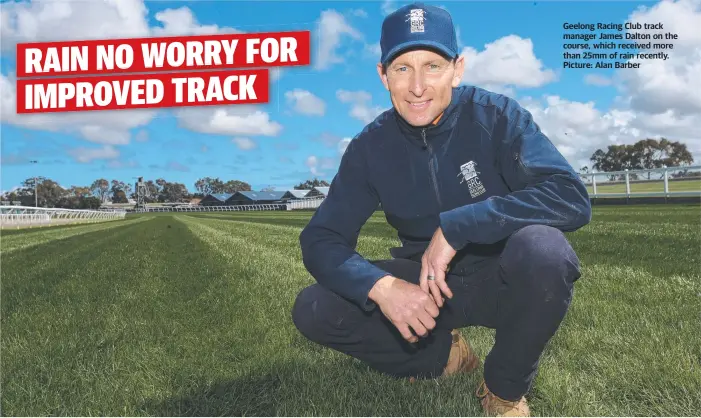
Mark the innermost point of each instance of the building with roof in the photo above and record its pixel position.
(255, 198)
(319, 192)
(215, 199)
(295, 194)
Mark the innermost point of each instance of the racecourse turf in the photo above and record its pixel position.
(189, 314)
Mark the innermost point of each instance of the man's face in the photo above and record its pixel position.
(420, 84)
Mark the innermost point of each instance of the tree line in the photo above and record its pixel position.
(644, 154)
(50, 194)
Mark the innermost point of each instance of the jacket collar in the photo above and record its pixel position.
(444, 123)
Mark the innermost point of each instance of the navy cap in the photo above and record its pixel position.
(418, 25)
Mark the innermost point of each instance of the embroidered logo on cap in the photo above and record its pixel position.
(416, 20)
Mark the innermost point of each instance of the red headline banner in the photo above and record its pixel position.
(266, 49)
(204, 88)
(171, 71)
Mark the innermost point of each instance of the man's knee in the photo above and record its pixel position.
(319, 314)
(304, 311)
(541, 253)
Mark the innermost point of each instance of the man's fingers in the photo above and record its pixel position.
(418, 327)
(423, 282)
(431, 285)
(436, 293)
(440, 281)
(427, 321)
(406, 333)
(432, 308)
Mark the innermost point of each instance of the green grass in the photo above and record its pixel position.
(648, 186)
(189, 314)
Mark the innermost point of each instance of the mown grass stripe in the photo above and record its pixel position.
(36, 237)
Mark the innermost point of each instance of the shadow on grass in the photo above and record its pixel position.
(317, 384)
(251, 395)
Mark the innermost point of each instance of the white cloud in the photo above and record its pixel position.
(342, 145)
(359, 13)
(312, 163)
(658, 85)
(508, 61)
(361, 106)
(305, 102)
(67, 20)
(244, 143)
(318, 166)
(578, 129)
(87, 155)
(388, 6)
(230, 120)
(182, 21)
(331, 29)
(597, 80)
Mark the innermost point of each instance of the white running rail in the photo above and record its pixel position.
(304, 203)
(312, 203)
(16, 216)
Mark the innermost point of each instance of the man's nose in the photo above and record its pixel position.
(418, 83)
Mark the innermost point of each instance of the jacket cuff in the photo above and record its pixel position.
(364, 276)
(455, 225)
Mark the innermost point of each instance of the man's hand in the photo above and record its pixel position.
(435, 263)
(405, 305)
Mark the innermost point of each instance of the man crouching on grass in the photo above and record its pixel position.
(480, 198)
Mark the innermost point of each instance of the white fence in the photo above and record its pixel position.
(17, 216)
(304, 204)
(289, 205)
(657, 182)
(193, 208)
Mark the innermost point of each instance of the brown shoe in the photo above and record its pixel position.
(462, 358)
(495, 406)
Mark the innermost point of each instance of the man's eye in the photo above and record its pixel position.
(401, 68)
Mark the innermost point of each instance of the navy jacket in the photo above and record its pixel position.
(481, 173)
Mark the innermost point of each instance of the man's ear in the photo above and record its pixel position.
(383, 75)
(459, 70)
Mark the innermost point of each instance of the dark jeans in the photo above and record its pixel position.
(523, 294)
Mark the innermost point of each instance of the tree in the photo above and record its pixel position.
(119, 197)
(101, 189)
(170, 192)
(310, 184)
(233, 186)
(268, 189)
(48, 192)
(208, 185)
(204, 185)
(644, 154)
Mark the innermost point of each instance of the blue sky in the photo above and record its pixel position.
(289, 145)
